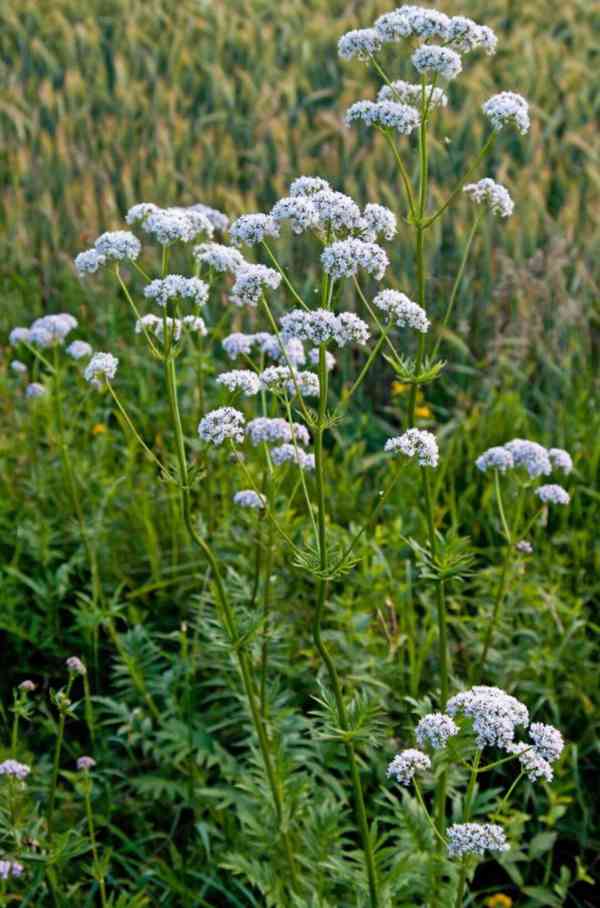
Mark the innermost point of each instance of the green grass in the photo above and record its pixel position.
(110, 103)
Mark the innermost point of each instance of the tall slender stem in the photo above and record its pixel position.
(361, 813)
(487, 147)
(466, 817)
(92, 833)
(456, 285)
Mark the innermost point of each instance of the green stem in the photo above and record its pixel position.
(359, 802)
(487, 147)
(56, 765)
(284, 277)
(135, 432)
(372, 357)
(457, 282)
(467, 816)
(266, 616)
(92, 832)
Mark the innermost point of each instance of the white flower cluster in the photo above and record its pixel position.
(406, 764)
(412, 93)
(10, 869)
(289, 453)
(496, 458)
(435, 729)
(314, 357)
(250, 282)
(290, 350)
(18, 367)
(493, 194)
(79, 349)
(298, 210)
(175, 286)
(531, 762)
(103, 365)
(337, 211)
(248, 498)
(250, 229)
(415, 443)
(344, 257)
(507, 108)
(385, 114)
(243, 380)
(417, 22)
(14, 769)
(18, 335)
(282, 378)
(553, 494)
(527, 455)
(89, 261)
(76, 666)
(175, 326)
(308, 186)
(217, 218)
(264, 430)
(433, 59)
(225, 423)
(399, 307)
(548, 740)
(412, 22)
(50, 329)
(171, 225)
(378, 220)
(524, 547)
(560, 460)
(321, 326)
(120, 245)
(475, 838)
(495, 714)
(34, 390)
(466, 35)
(220, 257)
(361, 43)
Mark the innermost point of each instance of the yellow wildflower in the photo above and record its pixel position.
(399, 388)
(423, 412)
(499, 901)
(99, 428)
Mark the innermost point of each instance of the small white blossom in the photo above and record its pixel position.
(14, 769)
(412, 93)
(222, 424)
(466, 35)
(172, 225)
(155, 324)
(264, 430)
(138, 213)
(337, 211)
(220, 257)
(530, 456)
(89, 261)
(493, 194)
(524, 547)
(18, 367)
(118, 245)
(412, 21)
(344, 257)
(377, 219)
(18, 336)
(35, 390)
(10, 869)
(405, 313)
(288, 349)
(250, 283)
(76, 666)
(289, 453)
(314, 356)
(51, 329)
(361, 43)
(430, 58)
(350, 329)
(249, 499)
(84, 764)
(405, 765)
(250, 229)
(548, 741)
(507, 108)
(318, 326)
(175, 286)
(495, 714)
(497, 458)
(79, 349)
(553, 494)
(560, 460)
(415, 443)
(195, 323)
(240, 380)
(435, 729)
(475, 838)
(385, 114)
(215, 217)
(532, 762)
(101, 364)
(299, 211)
(308, 186)
(238, 344)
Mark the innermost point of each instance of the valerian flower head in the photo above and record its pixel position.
(507, 108)
(51, 329)
(412, 21)
(432, 59)
(84, 764)
(399, 308)
(79, 349)
(531, 762)
(240, 380)
(530, 456)
(238, 344)
(553, 494)
(344, 258)
(547, 740)
(560, 460)
(435, 729)
(155, 324)
(217, 218)
(475, 838)
(337, 212)
(406, 764)
(225, 423)
(412, 93)
(18, 367)
(10, 869)
(493, 194)
(194, 324)
(35, 389)
(221, 258)
(264, 430)
(14, 769)
(465, 35)
(362, 43)
(138, 213)
(101, 366)
(89, 261)
(306, 384)
(385, 114)
(120, 245)
(415, 443)
(377, 219)
(289, 350)
(289, 453)
(350, 329)
(27, 685)
(175, 286)
(524, 547)
(299, 211)
(172, 225)
(247, 498)
(18, 335)
(314, 357)
(308, 186)
(250, 283)
(76, 666)
(495, 714)
(250, 229)
(497, 458)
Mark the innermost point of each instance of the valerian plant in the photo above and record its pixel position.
(279, 406)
